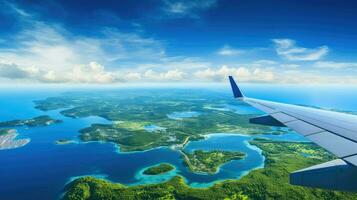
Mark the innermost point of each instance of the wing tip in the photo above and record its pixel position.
(236, 91)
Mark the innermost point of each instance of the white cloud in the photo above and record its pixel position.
(176, 7)
(12, 71)
(243, 73)
(182, 8)
(335, 65)
(132, 76)
(48, 53)
(15, 9)
(312, 77)
(171, 75)
(226, 50)
(179, 62)
(95, 73)
(90, 73)
(272, 75)
(287, 49)
(53, 48)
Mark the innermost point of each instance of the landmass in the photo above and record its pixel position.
(8, 139)
(129, 140)
(209, 161)
(133, 113)
(159, 169)
(270, 182)
(43, 120)
(64, 141)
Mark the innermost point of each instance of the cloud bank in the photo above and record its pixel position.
(44, 52)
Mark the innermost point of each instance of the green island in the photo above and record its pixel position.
(209, 161)
(43, 120)
(158, 169)
(270, 182)
(130, 113)
(64, 141)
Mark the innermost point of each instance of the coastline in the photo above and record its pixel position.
(8, 140)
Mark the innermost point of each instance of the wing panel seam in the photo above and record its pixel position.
(323, 128)
(257, 102)
(355, 154)
(316, 133)
(311, 123)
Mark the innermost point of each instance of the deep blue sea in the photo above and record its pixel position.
(40, 169)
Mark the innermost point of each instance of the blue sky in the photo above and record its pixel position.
(178, 41)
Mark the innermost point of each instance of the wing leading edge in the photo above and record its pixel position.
(335, 132)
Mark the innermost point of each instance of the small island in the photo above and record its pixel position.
(170, 119)
(270, 182)
(64, 141)
(43, 120)
(158, 169)
(8, 139)
(209, 161)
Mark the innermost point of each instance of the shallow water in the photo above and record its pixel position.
(41, 168)
(239, 109)
(153, 128)
(182, 115)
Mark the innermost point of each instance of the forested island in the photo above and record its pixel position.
(128, 128)
(131, 112)
(209, 161)
(158, 169)
(43, 120)
(64, 141)
(270, 182)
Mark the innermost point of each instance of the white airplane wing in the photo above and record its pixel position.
(336, 132)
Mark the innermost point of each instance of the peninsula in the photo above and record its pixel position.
(209, 161)
(43, 120)
(150, 122)
(270, 182)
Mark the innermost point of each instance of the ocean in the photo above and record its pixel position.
(40, 169)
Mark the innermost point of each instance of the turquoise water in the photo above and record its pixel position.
(182, 115)
(153, 128)
(239, 109)
(41, 168)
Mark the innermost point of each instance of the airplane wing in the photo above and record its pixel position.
(336, 132)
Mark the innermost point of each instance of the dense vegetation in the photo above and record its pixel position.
(131, 112)
(209, 161)
(64, 141)
(43, 120)
(270, 182)
(159, 169)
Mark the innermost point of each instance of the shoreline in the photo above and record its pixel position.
(8, 140)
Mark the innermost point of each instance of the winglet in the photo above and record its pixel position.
(236, 91)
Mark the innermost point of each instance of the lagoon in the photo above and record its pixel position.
(153, 128)
(182, 115)
(41, 168)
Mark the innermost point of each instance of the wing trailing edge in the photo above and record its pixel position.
(336, 132)
(333, 175)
